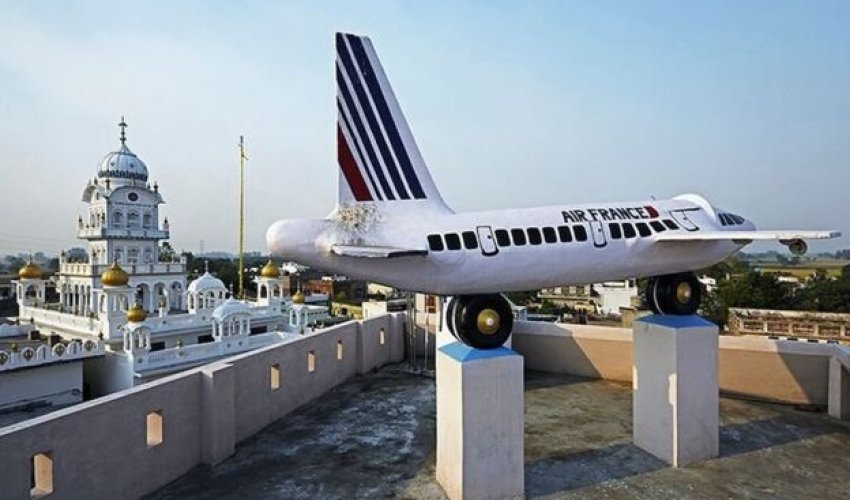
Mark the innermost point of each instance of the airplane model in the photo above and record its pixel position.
(392, 226)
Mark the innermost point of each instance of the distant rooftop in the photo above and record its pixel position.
(375, 437)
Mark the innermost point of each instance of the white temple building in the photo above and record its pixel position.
(129, 291)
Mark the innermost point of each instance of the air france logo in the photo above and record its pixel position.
(610, 214)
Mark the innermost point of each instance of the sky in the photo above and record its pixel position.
(513, 104)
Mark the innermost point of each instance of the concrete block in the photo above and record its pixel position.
(675, 388)
(480, 422)
(218, 412)
(839, 390)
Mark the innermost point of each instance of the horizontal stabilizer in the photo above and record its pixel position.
(372, 252)
(788, 235)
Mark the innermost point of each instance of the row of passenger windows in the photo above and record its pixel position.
(730, 219)
(505, 238)
(536, 236)
(644, 229)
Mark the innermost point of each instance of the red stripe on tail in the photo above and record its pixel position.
(349, 169)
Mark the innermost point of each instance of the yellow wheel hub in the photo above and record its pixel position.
(684, 293)
(488, 322)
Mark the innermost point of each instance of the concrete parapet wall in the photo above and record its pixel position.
(102, 448)
(784, 371)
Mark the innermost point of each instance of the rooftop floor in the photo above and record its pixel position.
(375, 437)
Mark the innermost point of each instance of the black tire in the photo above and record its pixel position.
(651, 295)
(676, 294)
(469, 313)
(450, 315)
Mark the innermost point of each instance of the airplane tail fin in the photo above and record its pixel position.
(378, 158)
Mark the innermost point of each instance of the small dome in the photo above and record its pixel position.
(298, 298)
(115, 276)
(270, 270)
(29, 271)
(230, 307)
(122, 164)
(136, 314)
(206, 282)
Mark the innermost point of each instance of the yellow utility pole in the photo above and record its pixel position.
(242, 159)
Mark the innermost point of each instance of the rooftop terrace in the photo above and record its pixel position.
(375, 437)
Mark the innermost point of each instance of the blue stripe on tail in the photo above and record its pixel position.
(360, 131)
(363, 99)
(385, 115)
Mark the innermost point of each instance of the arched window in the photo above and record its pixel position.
(117, 218)
(133, 220)
(146, 221)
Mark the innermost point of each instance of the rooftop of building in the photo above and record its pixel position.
(375, 437)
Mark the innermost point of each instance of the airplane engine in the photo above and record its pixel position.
(480, 321)
(796, 247)
(675, 294)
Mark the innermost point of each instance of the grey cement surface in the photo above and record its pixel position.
(374, 437)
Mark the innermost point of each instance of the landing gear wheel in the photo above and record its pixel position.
(676, 294)
(481, 321)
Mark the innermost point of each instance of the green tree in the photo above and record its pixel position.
(751, 290)
(548, 307)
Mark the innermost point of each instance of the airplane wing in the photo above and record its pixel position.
(373, 252)
(781, 236)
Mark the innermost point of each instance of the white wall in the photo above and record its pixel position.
(58, 384)
(99, 447)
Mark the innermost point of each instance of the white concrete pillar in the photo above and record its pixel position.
(480, 422)
(838, 401)
(675, 388)
(218, 413)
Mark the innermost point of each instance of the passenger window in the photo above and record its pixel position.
(518, 235)
(614, 229)
(549, 235)
(435, 242)
(670, 224)
(629, 230)
(658, 226)
(564, 234)
(643, 229)
(534, 236)
(580, 232)
(470, 242)
(502, 238)
(453, 241)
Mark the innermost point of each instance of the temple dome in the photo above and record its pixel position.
(122, 164)
(206, 282)
(298, 298)
(136, 314)
(230, 307)
(270, 270)
(30, 270)
(115, 276)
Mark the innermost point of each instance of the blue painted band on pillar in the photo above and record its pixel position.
(671, 321)
(462, 352)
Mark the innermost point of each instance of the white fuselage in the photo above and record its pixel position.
(492, 263)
